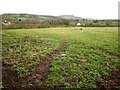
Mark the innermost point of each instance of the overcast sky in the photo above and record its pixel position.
(96, 9)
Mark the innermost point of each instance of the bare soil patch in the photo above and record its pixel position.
(9, 76)
(111, 81)
(36, 78)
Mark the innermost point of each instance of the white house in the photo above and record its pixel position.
(78, 24)
(6, 23)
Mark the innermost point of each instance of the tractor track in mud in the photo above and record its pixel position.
(42, 70)
(36, 79)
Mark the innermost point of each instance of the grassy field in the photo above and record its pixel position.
(90, 55)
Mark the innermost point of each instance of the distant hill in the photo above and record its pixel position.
(28, 16)
(39, 17)
(70, 17)
(20, 21)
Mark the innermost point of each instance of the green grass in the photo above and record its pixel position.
(81, 65)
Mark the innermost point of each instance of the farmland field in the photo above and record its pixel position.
(71, 57)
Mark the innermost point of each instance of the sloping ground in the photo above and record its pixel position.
(111, 81)
(89, 62)
(36, 78)
(60, 76)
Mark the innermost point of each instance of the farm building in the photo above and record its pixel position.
(6, 23)
(78, 24)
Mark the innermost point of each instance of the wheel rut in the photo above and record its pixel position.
(37, 78)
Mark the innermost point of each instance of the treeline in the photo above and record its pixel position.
(31, 21)
(26, 24)
(100, 23)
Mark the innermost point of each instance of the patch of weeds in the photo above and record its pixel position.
(104, 71)
(24, 52)
(116, 63)
(86, 85)
(54, 81)
(20, 71)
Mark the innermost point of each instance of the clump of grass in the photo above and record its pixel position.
(20, 70)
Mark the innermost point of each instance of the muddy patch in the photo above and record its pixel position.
(9, 76)
(36, 78)
(42, 70)
(111, 81)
